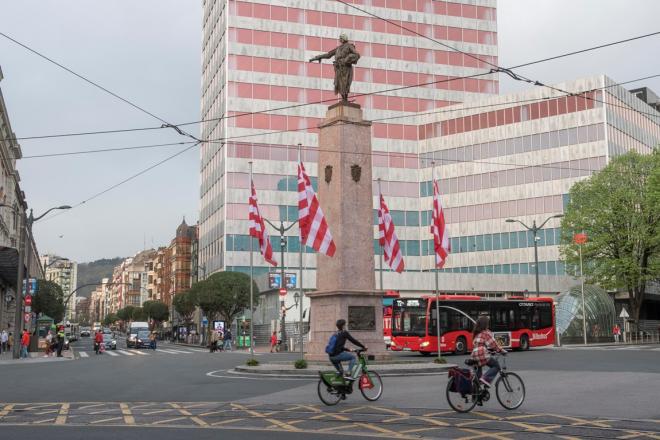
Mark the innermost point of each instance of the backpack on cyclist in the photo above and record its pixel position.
(462, 382)
(332, 343)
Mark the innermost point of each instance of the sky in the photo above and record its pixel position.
(148, 52)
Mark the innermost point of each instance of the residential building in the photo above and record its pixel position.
(13, 209)
(64, 273)
(254, 57)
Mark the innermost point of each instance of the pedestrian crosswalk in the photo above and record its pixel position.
(134, 352)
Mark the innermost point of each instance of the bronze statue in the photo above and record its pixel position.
(345, 56)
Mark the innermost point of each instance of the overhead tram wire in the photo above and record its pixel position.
(166, 124)
(361, 94)
(509, 71)
(410, 115)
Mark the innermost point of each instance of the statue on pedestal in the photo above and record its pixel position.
(345, 56)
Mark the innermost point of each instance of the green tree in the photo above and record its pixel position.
(618, 210)
(224, 294)
(110, 319)
(49, 300)
(139, 314)
(157, 311)
(185, 304)
(126, 314)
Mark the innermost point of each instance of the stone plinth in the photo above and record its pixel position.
(345, 192)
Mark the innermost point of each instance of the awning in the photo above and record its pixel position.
(8, 266)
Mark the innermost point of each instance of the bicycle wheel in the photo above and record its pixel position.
(328, 395)
(373, 392)
(459, 403)
(510, 390)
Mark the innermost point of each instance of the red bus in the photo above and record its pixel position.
(516, 322)
(388, 300)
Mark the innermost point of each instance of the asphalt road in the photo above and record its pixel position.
(165, 394)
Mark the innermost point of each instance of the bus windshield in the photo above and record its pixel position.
(409, 317)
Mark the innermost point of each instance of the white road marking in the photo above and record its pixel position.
(138, 352)
(83, 354)
(170, 351)
(125, 353)
(111, 353)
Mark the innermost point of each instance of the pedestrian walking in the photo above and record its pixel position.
(213, 342)
(4, 338)
(10, 341)
(98, 340)
(227, 340)
(152, 340)
(273, 341)
(49, 342)
(25, 343)
(616, 331)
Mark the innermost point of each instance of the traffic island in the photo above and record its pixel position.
(386, 369)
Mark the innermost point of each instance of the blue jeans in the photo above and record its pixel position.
(492, 371)
(24, 351)
(343, 356)
(227, 344)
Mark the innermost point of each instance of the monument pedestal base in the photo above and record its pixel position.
(363, 312)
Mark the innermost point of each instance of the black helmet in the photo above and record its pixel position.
(341, 323)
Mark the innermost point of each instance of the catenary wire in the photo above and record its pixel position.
(104, 150)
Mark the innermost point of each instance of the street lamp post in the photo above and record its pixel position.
(281, 229)
(535, 229)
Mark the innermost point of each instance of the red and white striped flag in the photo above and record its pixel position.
(314, 231)
(438, 229)
(387, 238)
(258, 229)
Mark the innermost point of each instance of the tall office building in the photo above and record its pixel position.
(64, 273)
(254, 58)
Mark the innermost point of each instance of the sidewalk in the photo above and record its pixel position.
(35, 358)
(258, 349)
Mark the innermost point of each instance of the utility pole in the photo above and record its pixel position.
(18, 313)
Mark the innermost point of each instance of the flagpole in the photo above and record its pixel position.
(380, 255)
(435, 270)
(251, 281)
(302, 294)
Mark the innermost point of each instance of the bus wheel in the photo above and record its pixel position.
(524, 343)
(461, 346)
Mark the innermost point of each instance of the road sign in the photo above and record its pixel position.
(282, 293)
(28, 300)
(580, 238)
(275, 280)
(34, 286)
(28, 309)
(624, 313)
(27, 317)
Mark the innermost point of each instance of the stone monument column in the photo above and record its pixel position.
(345, 283)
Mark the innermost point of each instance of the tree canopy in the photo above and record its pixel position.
(157, 311)
(49, 300)
(184, 304)
(619, 210)
(110, 319)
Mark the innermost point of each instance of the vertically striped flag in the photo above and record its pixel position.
(438, 229)
(388, 239)
(258, 229)
(314, 231)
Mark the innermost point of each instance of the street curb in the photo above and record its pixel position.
(432, 369)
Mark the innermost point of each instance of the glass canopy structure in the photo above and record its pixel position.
(599, 308)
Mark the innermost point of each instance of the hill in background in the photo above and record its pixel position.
(93, 272)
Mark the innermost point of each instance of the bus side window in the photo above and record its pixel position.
(500, 319)
(525, 318)
(536, 319)
(545, 316)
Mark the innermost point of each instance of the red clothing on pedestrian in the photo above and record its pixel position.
(98, 338)
(484, 342)
(25, 339)
(273, 340)
(616, 330)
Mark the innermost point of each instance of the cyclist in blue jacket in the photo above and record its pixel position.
(341, 353)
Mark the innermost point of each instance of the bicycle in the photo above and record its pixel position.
(509, 388)
(332, 386)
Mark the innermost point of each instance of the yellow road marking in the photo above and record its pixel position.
(93, 413)
(224, 422)
(143, 405)
(38, 422)
(160, 422)
(488, 416)
(569, 437)
(283, 425)
(210, 413)
(104, 420)
(184, 412)
(337, 428)
(49, 411)
(524, 416)
(545, 429)
(7, 409)
(411, 431)
(634, 434)
(43, 405)
(579, 422)
(128, 415)
(392, 411)
(332, 415)
(307, 407)
(472, 423)
(442, 413)
(64, 411)
(195, 405)
(479, 434)
(377, 428)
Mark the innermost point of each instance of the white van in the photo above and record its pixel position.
(131, 337)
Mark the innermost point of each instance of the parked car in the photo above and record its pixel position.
(109, 342)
